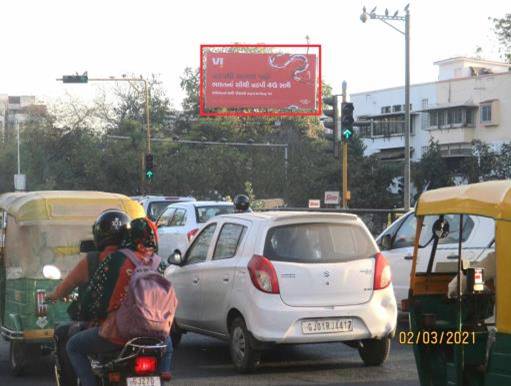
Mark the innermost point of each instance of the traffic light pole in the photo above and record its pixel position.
(344, 158)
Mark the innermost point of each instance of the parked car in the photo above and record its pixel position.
(155, 205)
(181, 221)
(397, 243)
(260, 279)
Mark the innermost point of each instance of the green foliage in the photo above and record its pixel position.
(502, 29)
(431, 171)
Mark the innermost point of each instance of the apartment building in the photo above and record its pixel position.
(470, 100)
(14, 110)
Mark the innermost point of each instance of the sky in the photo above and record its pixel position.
(42, 40)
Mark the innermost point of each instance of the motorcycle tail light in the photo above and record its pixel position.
(41, 306)
(145, 365)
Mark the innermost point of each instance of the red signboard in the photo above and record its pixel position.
(261, 81)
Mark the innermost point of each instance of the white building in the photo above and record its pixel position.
(471, 100)
(16, 109)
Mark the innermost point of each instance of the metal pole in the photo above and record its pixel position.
(148, 118)
(285, 172)
(18, 135)
(406, 203)
(344, 158)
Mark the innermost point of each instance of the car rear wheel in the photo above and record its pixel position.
(243, 354)
(374, 351)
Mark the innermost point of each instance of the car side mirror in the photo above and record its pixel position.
(87, 246)
(176, 258)
(386, 242)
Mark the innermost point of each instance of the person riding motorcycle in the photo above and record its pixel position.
(108, 231)
(241, 204)
(106, 291)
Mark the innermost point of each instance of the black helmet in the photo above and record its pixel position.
(241, 203)
(110, 228)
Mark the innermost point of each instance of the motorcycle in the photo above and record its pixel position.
(135, 365)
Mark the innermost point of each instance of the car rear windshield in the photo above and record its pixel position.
(156, 208)
(318, 243)
(204, 213)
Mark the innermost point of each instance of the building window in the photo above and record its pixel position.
(385, 109)
(396, 108)
(469, 119)
(486, 113)
(433, 118)
(441, 118)
(14, 100)
(424, 103)
(458, 116)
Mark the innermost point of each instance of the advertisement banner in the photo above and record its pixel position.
(332, 197)
(257, 80)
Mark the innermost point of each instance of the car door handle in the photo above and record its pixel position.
(408, 257)
(195, 280)
(226, 279)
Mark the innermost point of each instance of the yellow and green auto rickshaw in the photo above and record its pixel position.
(460, 305)
(40, 238)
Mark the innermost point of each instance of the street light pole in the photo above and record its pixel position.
(407, 112)
(406, 19)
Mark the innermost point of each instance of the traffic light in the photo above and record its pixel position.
(149, 166)
(334, 123)
(75, 78)
(347, 121)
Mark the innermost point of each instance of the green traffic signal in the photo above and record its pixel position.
(347, 120)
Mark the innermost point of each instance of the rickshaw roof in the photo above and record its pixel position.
(65, 205)
(490, 199)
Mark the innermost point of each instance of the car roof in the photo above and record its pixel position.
(277, 216)
(201, 203)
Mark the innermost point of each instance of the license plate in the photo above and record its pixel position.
(143, 381)
(322, 326)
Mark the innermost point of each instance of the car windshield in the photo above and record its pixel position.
(204, 213)
(156, 208)
(318, 243)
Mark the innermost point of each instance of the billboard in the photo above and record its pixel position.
(247, 80)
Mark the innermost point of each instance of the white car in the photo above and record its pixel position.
(155, 205)
(397, 243)
(257, 279)
(179, 222)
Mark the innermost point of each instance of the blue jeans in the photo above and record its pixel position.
(89, 342)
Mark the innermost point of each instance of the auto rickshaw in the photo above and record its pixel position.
(454, 301)
(40, 238)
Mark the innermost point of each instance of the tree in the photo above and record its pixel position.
(481, 165)
(431, 171)
(502, 29)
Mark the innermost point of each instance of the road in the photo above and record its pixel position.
(205, 361)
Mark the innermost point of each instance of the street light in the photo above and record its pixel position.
(406, 19)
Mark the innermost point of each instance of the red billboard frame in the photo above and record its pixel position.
(204, 113)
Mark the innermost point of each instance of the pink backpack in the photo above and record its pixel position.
(150, 303)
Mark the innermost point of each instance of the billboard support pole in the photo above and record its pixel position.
(344, 161)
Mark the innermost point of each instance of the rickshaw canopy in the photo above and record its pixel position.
(490, 199)
(46, 227)
(71, 206)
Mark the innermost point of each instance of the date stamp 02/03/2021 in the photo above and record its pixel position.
(436, 337)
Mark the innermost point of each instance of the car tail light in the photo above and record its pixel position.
(41, 306)
(145, 365)
(191, 234)
(263, 274)
(382, 274)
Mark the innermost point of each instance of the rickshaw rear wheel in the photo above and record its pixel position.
(374, 351)
(17, 357)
